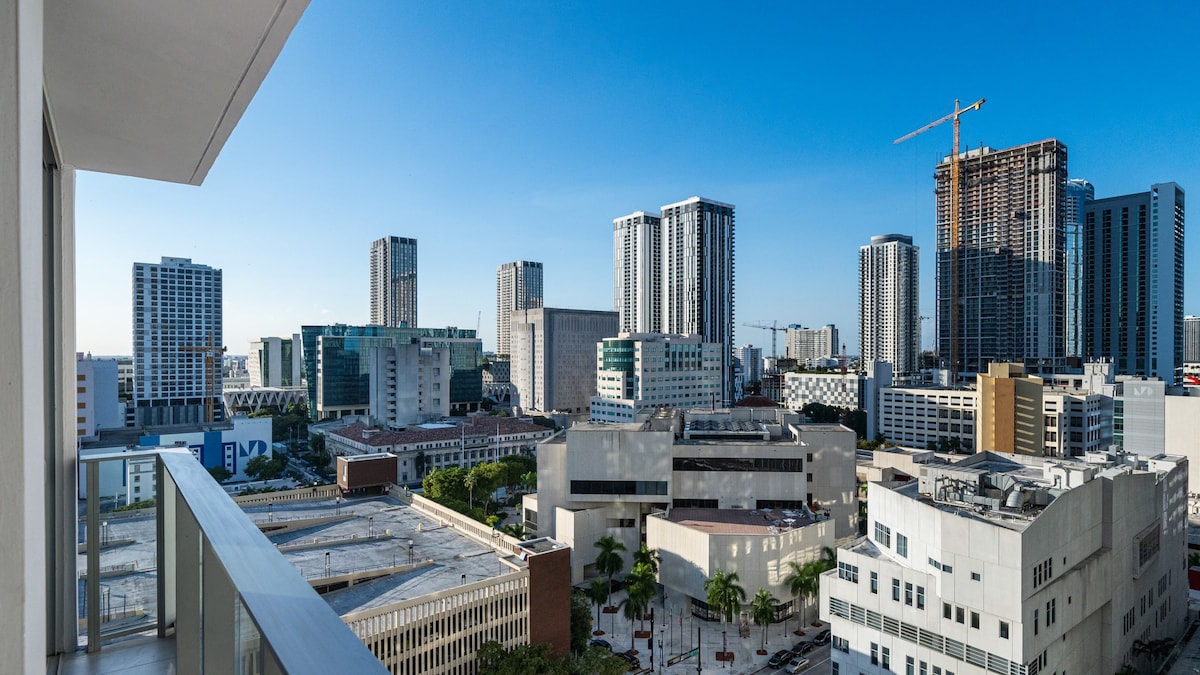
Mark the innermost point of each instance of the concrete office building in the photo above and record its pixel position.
(674, 274)
(889, 307)
(990, 307)
(1079, 193)
(1077, 422)
(1010, 411)
(810, 344)
(518, 286)
(850, 390)
(394, 282)
(1134, 293)
(1008, 564)
(176, 313)
(637, 373)
(97, 405)
(637, 272)
(554, 356)
(276, 362)
(916, 417)
(709, 474)
(336, 365)
(409, 384)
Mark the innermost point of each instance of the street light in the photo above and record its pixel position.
(410, 552)
(270, 512)
(326, 563)
(370, 526)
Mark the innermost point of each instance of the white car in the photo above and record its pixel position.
(796, 665)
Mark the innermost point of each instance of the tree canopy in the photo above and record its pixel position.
(262, 467)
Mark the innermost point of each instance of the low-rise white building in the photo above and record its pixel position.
(637, 372)
(914, 417)
(722, 482)
(843, 390)
(1013, 565)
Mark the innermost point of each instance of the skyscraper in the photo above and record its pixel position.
(176, 309)
(1191, 339)
(637, 272)
(674, 274)
(394, 282)
(889, 303)
(808, 344)
(1079, 193)
(1000, 293)
(518, 286)
(1134, 292)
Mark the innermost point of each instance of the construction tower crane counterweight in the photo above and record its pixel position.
(955, 215)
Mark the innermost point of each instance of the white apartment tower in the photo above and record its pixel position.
(808, 344)
(1029, 567)
(518, 286)
(276, 362)
(889, 303)
(674, 274)
(176, 314)
(637, 272)
(394, 282)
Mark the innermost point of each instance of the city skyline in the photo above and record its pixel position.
(479, 103)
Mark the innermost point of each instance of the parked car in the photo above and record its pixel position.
(633, 661)
(796, 665)
(603, 644)
(779, 658)
(822, 638)
(802, 648)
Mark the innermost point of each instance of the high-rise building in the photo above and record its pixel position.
(1191, 339)
(1079, 193)
(637, 272)
(275, 362)
(752, 362)
(176, 313)
(889, 309)
(697, 274)
(811, 344)
(1134, 290)
(518, 286)
(674, 274)
(1000, 293)
(641, 372)
(554, 356)
(394, 282)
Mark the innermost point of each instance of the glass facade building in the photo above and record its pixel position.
(336, 366)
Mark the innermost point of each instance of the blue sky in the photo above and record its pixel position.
(493, 132)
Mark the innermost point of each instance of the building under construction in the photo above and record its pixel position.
(1000, 293)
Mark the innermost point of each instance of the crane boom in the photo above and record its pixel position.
(774, 328)
(955, 214)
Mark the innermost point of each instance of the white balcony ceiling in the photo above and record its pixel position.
(153, 88)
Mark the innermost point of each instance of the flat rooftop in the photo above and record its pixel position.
(740, 521)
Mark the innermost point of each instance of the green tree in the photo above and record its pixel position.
(762, 611)
(529, 481)
(446, 483)
(599, 593)
(821, 413)
(261, 467)
(596, 661)
(513, 467)
(797, 583)
(640, 586)
(581, 622)
(1194, 559)
(608, 560)
(494, 659)
(646, 556)
(725, 595)
(805, 580)
(857, 420)
(419, 463)
(631, 610)
(220, 473)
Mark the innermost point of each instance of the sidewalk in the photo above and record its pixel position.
(679, 638)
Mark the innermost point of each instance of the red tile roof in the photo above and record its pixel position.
(476, 427)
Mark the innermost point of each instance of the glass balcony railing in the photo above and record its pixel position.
(195, 567)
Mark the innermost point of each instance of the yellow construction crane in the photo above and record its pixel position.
(955, 214)
(210, 351)
(774, 328)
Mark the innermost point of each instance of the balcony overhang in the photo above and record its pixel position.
(153, 88)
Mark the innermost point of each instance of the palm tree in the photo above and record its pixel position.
(599, 597)
(646, 556)
(631, 610)
(762, 611)
(469, 482)
(608, 560)
(725, 596)
(641, 588)
(796, 583)
(529, 481)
